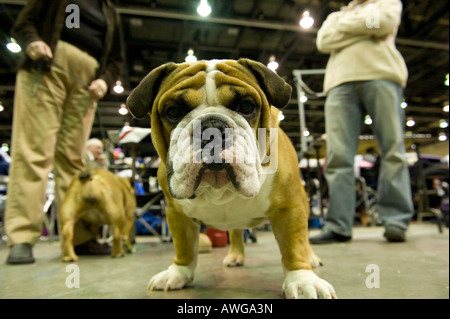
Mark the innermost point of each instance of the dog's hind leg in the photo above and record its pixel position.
(68, 252)
(235, 255)
(126, 231)
(117, 250)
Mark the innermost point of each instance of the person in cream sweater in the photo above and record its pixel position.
(365, 75)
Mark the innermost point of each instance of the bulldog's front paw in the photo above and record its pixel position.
(233, 260)
(304, 284)
(175, 277)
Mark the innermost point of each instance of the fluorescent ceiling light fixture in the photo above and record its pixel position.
(306, 132)
(306, 21)
(445, 107)
(13, 46)
(123, 109)
(410, 122)
(443, 123)
(190, 56)
(303, 97)
(204, 9)
(118, 88)
(273, 64)
(126, 127)
(5, 147)
(368, 120)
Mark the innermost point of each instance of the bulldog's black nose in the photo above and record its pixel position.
(215, 131)
(213, 137)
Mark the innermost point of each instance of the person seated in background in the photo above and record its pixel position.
(94, 156)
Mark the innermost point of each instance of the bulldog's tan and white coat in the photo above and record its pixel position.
(241, 188)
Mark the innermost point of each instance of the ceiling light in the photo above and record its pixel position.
(204, 9)
(306, 21)
(404, 104)
(368, 120)
(445, 107)
(126, 127)
(443, 123)
(410, 122)
(306, 132)
(118, 88)
(446, 80)
(5, 147)
(273, 64)
(13, 46)
(123, 109)
(280, 116)
(2, 108)
(303, 97)
(190, 56)
(442, 137)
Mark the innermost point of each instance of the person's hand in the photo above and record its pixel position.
(37, 50)
(101, 160)
(98, 89)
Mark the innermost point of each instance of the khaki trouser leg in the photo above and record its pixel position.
(78, 117)
(49, 131)
(35, 124)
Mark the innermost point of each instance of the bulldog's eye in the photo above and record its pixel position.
(246, 108)
(174, 113)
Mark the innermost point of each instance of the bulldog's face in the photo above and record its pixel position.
(211, 123)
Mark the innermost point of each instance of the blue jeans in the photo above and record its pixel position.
(345, 108)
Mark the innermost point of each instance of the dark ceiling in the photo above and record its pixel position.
(159, 31)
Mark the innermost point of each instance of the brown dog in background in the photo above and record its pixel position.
(98, 197)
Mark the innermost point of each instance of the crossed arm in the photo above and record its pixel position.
(375, 20)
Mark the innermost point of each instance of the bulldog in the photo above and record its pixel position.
(226, 163)
(98, 197)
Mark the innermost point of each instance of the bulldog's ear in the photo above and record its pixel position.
(141, 99)
(278, 92)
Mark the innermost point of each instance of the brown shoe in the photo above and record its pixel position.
(21, 254)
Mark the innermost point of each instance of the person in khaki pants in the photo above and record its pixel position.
(54, 111)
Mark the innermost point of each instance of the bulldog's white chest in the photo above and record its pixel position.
(226, 210)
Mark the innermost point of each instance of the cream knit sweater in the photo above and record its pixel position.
(361, 43)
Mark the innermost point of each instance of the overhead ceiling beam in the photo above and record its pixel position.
(269, 25)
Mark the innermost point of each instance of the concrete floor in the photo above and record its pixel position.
(418, 268)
